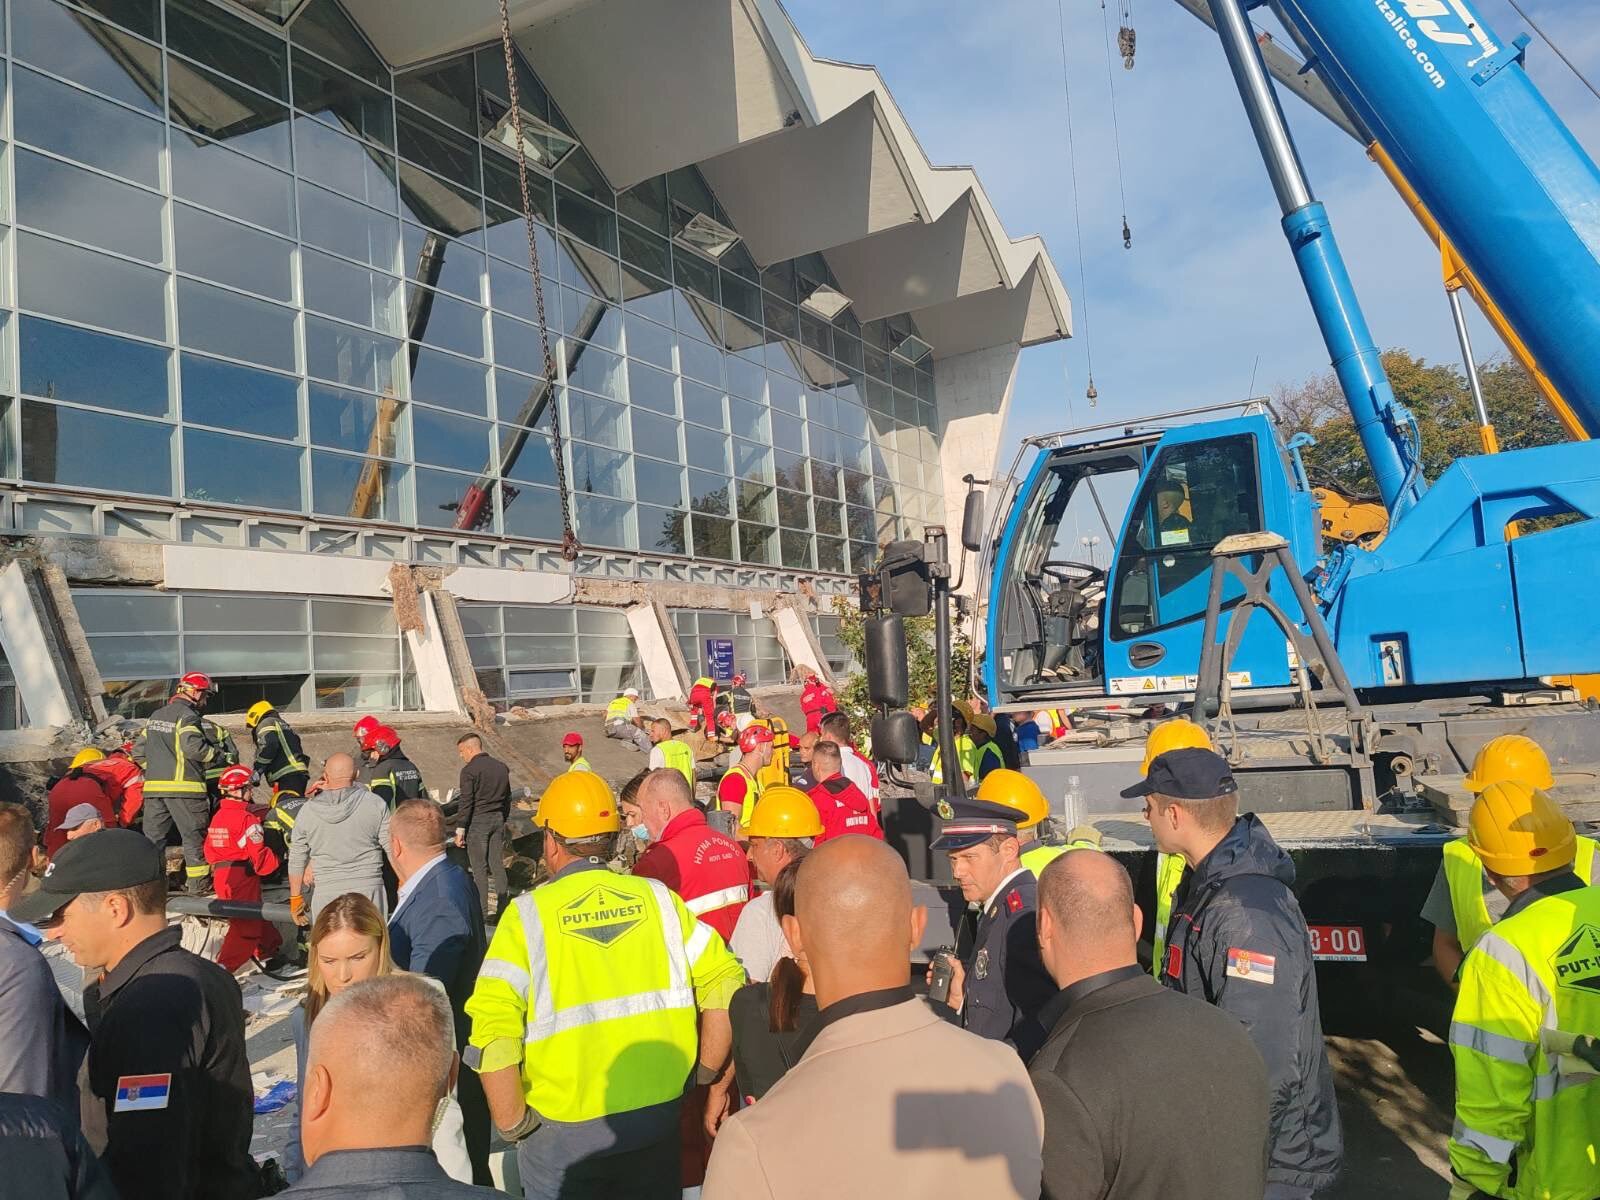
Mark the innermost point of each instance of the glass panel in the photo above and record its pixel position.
(757, 543)
(646, 203)
(344, 164)
(525, 456)
(137, 655)
(795, 549)
(341, 354)
(213, 36)
(230, 183)
(445, 322)
(438, 148)
(64, 363)
(356, 421)
(449, 265)
(81, 285)
(658, 482)
(793, 510)
(451, 382)
(520, 400)
(540, 651)
(366, 489)
(366, 692)
(651, 342)
(599, 421)
(356, 653)
(700, 361)
(346, 104)
(663, 531)
(600, 372)
(649, 388)
(212, 104)
(334, 223)
(125, 612)
(227, 323)
(352, 293)
(586, 220)
(531, 512)
(604, 472)
(603, 522)
(658, 435)
(479, 618)
(239, 654)
(709, 493)
(521, 618)
(86, 51)
(237, 398)
(746, 419)
(93, 450)
(712, 536)
(752, 462)
(452, 501)
(443, 440)
(518, 346)
(88, 208)
(74, 124)
(323, 29)
(705, 448)
(229, 470)
(447, 90)
(703, 405)
(231, 253)
(243, 614)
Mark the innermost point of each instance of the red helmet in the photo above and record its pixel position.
(754, 736)
(365, 726)
(197, 681)
(738, 679)
(726, 720)
(237, 779)
(380, 738)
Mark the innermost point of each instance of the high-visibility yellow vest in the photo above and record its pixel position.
(966, 755)
(1524, 1108)
(987, 750)
(1036, 856)
(617, 710)
(679, 757)
(580, 764)
(1463, 875)
(584, 971)
(1169, 874)
(752, 792)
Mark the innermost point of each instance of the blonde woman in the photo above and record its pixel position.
(350, 943)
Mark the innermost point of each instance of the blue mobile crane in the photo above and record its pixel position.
(1407, 635)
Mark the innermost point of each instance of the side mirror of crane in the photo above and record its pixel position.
(896, 738)
(888, 670)
(906, 586)
(972, 520)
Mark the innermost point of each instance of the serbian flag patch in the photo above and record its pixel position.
(141, 1093)
(1251, 965)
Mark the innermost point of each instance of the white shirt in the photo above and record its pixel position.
(858, 771)
(657, 758)
(758, 939)
(410, 885)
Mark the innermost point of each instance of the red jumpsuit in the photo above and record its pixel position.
(76, 787)
(703, 706)
(236, 848)
(124, 783)
(844, 808)
(708, 870)
(816, 701)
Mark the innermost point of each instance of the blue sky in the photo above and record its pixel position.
(1209, 285)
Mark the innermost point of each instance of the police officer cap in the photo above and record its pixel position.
(967, 821)
(1187, 774)
(111, 860)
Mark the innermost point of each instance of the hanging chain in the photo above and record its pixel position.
(570, 546)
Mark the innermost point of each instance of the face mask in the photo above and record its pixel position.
(642, 832)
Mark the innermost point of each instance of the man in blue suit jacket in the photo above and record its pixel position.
(437, 929)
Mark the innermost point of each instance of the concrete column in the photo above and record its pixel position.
(40, 683)
(432, 661)
(974, 392)
(657, 651)
(800, 641)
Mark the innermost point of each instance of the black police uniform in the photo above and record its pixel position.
(1006, 983)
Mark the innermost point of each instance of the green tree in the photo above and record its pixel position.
(1440, 398)
(851, 692)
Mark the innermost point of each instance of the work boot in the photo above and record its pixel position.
(199, 885)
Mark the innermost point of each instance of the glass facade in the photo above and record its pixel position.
(299, 653)
(550, 654)
(253, 267)
(756, 649)
(840, 659)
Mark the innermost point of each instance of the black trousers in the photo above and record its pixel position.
(486, 854)
(190, 815)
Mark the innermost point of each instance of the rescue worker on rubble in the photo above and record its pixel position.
(227, 755)
(816, 701)
(385, 769)
(77, 787)
(738, 702)
(585, 1013)
(236, 848)
(279, 759)
(1000, 983)
(1527, 1110)
(624, 723)
(740, 786)
(668, 751)
(1014, 790)
(177, 755)
(1238, 939)
(572, 752)
(703, 706)
(1179, 733)
(1463, 904)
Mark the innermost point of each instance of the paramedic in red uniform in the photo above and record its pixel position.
(703, 706)
(236, 848)
(708, 869)
(842, 805)
(816, 701)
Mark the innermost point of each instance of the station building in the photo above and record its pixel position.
(276, 400)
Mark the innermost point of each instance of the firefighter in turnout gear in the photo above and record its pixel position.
(584, 973)
(236, 848)
(227, 755)
(177, 755)
(386, 770)
(279, 760)
(1179, 733)
(1527, 1110)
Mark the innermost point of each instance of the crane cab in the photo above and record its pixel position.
(1060, 626)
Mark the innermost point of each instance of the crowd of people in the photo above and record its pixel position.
(717, 989)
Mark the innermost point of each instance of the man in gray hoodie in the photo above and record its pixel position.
(341, 832)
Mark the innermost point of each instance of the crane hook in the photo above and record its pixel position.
(1127, 43)
(1091, 395)
(1127, 235)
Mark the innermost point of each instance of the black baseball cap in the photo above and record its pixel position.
(1187, 774)
(107, 861)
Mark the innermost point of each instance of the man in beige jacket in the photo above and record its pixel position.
(886, 1098)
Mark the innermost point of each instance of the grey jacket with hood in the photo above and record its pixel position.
(1238, 940)
(344, 834)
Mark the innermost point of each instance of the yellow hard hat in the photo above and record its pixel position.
(1510, 756)
(983, 721)
(1180, 733)
(783, 812)
(1518, 830)
(1015, 790)
(87, 755)
(257, 710)
(578, 804)
(962, 707)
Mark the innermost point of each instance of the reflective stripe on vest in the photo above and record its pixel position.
(752, 792)
(984, 750)
(1463, 875)
(711, 901)
(1169, 874)
(617, 710)
(679, 757)
(291, 764)
(581, 764)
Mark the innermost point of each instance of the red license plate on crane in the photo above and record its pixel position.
(1338, 943)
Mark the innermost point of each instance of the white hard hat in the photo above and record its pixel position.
(632, 693)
